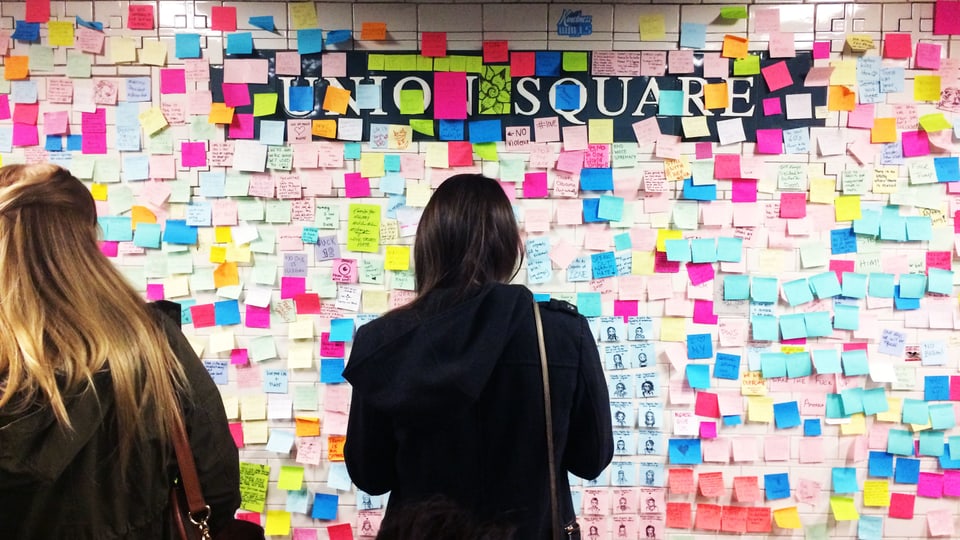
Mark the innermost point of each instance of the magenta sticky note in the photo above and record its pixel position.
(708, 430)
(535, 185)
(703, 312)
(946, 18)
(793, 205)
(744, 190)
(915, 143)
(173, 81)
(700, 272)
(356, 185)
(4, 106)
(155, 291)
(236, 94)
(951, 483)
(257, 317)
(777, 76)
(193, 154)
(772, 106)
(109, 248)
(95, 122)
(769, 141)
(821, 49)
(450, 95)
(626, 308)
(291, 286)
(241, 127)
(241, 357)
(930, 485)
(927, 56)
(704, 150)
(726, 166)
(25, 135)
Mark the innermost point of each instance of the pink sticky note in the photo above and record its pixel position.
(839, 267)
(241, 127)
(535, 185)
(772, 106)
(193, 154)
(239, 357)
(356, 185)
(236, 431)
(744, 190)
(861, 116)
(90, 143)
(56, 123)
(703, 312)
(4, 106)
(928, 56)
(291, 286)
(450, 95)
(700, 272)
(25, 135)
(951, 483)
(793, 205)
(109, 249)
(140, 17)
(821, 49)
(257, 317)
(726, 166)
(95, 122)
(571, 162)
(236, 94)
(173, 81)
(155, 291)
(305, 534)
(769, 141)
(288, 63)
(625, 308)
(334, 64)
(704, 150)
(777, 76)
(331, 349)
(915, 143)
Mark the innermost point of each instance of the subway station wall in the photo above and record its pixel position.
(754, 204)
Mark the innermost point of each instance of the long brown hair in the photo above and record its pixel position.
(67, 313)
(467, 237)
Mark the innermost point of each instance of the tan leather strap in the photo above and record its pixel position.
(199, 511)
(548, 412)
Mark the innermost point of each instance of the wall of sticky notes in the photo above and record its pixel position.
(754, 205)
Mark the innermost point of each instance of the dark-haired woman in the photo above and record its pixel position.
(447, 391)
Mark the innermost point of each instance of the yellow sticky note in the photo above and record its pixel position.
(278, 521)
(238, 254)
(844, 72)
(438, 155)
(99, 192)
(264, 104)
(753, 384)
(667, 234)
(375, 301)
(934, 122)
(600, 130)
(400, 137)
(220, 114)
(303, 15)
(336, 100)
(418, 194)
(411, 101)
(152, 120)
(734, 46)
(856, 426)
(787, 518)
(894, 412)
(847, 207)
(677, 169)
(424, 63)
(122, 49)
(218, 254)
(574, 61)
(61, 33)
(884, 130)
(324, 128)
(695, 126)
(860, 42)
(291, 478)
(876, 493)
(760, 409)
(643, 263)
(843, 508)
(153, 53)
(926, 88)
(16, 68)
(653, 27)
(372, 164)
(822, 190)
(748, 65)
(222, 235)
(715, 96)
(673, 329)
(397, 258)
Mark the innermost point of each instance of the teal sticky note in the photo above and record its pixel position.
(854, 285)
(703, 250)
(846, 317)
(915, 411)
(622, 242)
(678, 250)
(671, 103)
(147, 235)
(736, 287)
(870, 528)
(931, 443)
(954, 445)
(729, 249)
(826, 361)
(793, 326)
(834, 406)
(240, 43)
(852, 401)
(845, 480)
(875, 401)
(868, 224)
(341, 330)
(588, 304)
(351, 150)
(610, 208)
(818, 324)
(825, 285)
(309, 40)
(900, 442)
(698, 376)
(919, 228)
(893, 226)
(939, 281)
(798, 365)
(188, 45)
(773, 365)
(913, 285)
(942, 415)
(764, 328)
(855, 362)
(881, 285)
(797, 292)
(763, 289)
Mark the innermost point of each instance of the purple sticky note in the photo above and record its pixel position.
(769, 141)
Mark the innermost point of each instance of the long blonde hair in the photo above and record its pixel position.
(67, 313)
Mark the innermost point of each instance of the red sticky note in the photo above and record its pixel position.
(769, 141)
(356, 185)
(26, 113)
(340, 531)
(236, 94)
(291, 286)
(744, 190)
(839, 267)
(680, 481)
(433, 44)
(901, 505)
(707, 405)
(257, 317)
(703, 312)
(460, 154)
(224, 18)
(955, 388)
(734, 519)
(793, 205)
(241, 127)
(236, 431)
(700, 272)
(758, 519)
(679, 515)
(915, 143)
(946, 18)
(173, 81)
(450, 96)
(203, 315)
(625, 308)
(939, 259)
(777, 76)
(38, 11)
(535, 185)
(708, 517)
(140, 17)
(772, 106)
(522, 64)
(193, 154)
(495, 51)
(25, 135)
(109, 249)
(726, 166)
(898, 45)
(821, 49)
(331, 349)
(239, 357)
(252, 517)
(307, 303)
(155, 291)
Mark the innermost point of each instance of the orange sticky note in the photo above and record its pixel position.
(884, 130)
(141, 214)
(336, 100)
(226, 275)
(308, 426)
(373, 31)
(841, 98)
(335, 447)
(715, 95)
(324, 128)
(734, 46)
(16, 68)
(220, 114)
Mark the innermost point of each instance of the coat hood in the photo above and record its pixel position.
(423, 362)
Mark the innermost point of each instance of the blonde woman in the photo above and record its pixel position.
(91, 380)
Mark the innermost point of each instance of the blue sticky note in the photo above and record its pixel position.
(341, 330)
(786, 415)
(391, 163)
(900, 442)
(217, 370)
(919, 228)
(855, 285)
(451, 130)
(773, 365)
(263, 22)
(693, 35)
(736, 287)
(699, 346)
(93, 25)
(936, 388)
(325, 506)
(275, 381)
(843, 241)
(913, 285)
(931, 443)
(26, 31)
(892, 226)
(798, 365)
(298, 501)
(707, 192)
(703, 250)
(338, 36)
(331, 370)
(764, 328)
(309, 41)
(727, 366)
(147, 235)
(698, 376)
(685, 451)
(729, 249)
(846, 317)
(826, 361)
(74, 142)
(485, 131)
(902, 303)
(604, 264)
(793, 326)
(947, 168)
(588, 304)
(547, 63)
(301, 98)
(671, 103)
(369, 97)
(845, 480)
(870, 527)
(763, 289)
(797, 292)
(226, 312)
(954, 446)
(188, 45)
(176, 231)
(825, 285)
(818, 324)
(880, 465)
(852, 401)
(776, 486)
(596, 179)
(875, 401)
(811, 427)
(591, 211)
(281, 440)
(54, 143)
(881, 285)
(855, 362)
(677, 250)
(567, 97)
(907, 470)
(732, 420)
(240, 43)
(186, 317)
(116, 228)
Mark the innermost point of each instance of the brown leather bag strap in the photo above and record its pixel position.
(199, 510)
(548, 412)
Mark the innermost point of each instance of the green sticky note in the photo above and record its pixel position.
(264, 104)
(749, 65)
(408, 62)
(934, 122)
(458, 63)
(474, 64)
(79, 65)
(41, 58)
(441, 64)
(201, 129)
(262, 348)
(375, 62)
(392, 62)
(411, 101)
(253, 486)
(279, 212)
(574, 61)
(512, 170)
(424, 127)
(363, 228)
(733, 12)
(486, 151)
(424, 63)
